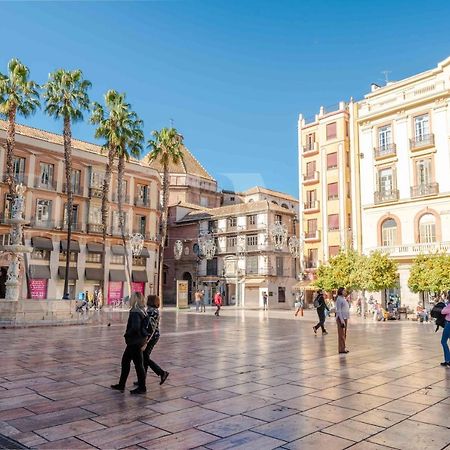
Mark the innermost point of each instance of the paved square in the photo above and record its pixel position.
(245, 380)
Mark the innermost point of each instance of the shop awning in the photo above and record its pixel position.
(41, 243)
(254, 281)
(139, 276)
(94, 247)
(118, 249)
(73, 273)
(304, 285)
(39, 272)
(74, 246)
(144, 253)
(94, 274)
(117, 275)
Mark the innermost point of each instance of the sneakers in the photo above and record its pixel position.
(315, 330)
(138, 391)
(164, 377)
(445, 364)
(117, 387)
(324, 333)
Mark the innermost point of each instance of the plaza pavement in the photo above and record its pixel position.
(250, 380)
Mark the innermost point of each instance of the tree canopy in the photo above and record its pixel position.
(430, 273)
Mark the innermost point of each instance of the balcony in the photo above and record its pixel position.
(125, 198)
(386, 196)
(311, 149)
(409, 250)
(385, 151)
(76, 226)
(76, 189)
(312, 236)
(311, 178)
(43, 224)
(423, 190)
(142, 202)
(94, 228)
(421, 142)
(311, 206)
(95, 192)
(18, 178)
(48, 185)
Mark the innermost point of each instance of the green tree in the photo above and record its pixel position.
(166, 148)
(66, 98)
(430, 273)
(18, 95)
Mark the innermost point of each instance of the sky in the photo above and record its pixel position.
(230, 75)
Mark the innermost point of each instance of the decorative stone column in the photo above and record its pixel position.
(16, 249)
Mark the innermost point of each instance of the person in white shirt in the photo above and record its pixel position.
(342, 316)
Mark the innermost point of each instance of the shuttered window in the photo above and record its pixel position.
(332, 191)
(333, 222)
(331, 130)
(332, 160)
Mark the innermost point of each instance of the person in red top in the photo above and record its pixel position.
(217, 302)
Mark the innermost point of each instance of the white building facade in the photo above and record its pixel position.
(403, 132)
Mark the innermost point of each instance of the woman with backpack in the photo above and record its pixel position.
(321, 306)
(135, 338)
(446, 333)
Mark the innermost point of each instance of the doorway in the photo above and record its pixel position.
(188, 277)
(3, 278)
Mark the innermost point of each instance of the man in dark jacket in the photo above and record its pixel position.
(321, 306)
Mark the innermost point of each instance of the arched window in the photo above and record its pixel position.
(274, 202)
(427, 229)
(283, 205)
(389, 233)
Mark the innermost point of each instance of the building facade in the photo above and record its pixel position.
(39, 165)
(325, 187)
(404, 157)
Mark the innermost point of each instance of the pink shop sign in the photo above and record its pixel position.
(38, 289)
(138, 287)
(115, 291)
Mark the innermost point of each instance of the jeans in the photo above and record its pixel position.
(444, 341)
(148, 362)
(321, 324)
(217, 310)
(197, 305)
(342, 334)
(132, 353)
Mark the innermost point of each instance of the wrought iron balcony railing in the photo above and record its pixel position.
(421, 141)
(386, 196)
(385, 150)
(423, 190)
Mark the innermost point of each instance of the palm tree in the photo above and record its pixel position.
(166, 148)
(18, 95)
(66, 97)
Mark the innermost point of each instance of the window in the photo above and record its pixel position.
(251, 220)
(311, 197)
(97, 179)
(252, 240)
(19, 169)
(139, 261)
(43, 211)
(310, 139)
(312, 226)
(76, 181)
(333, 222)
(278, 218)
(117, 259)
(333, 250)
(332, 160)
(95, 215)
(386, 181)
(421, 127)
(280, 266)
(333, 191)
(231, 199)
(46, 175)
(281, 294)
(312, 258)
(310, 168)
(141, 225)
(212, 226)
(230, 267)
(116, 223)
(94, 257)
(232, 222)
(423, 172)
(427, 229)
(203, 201)
(211, 267)
(388, 233)
(251, 265)
(74, 215)
(124, 190)
(331, 130)
(384, 138)
(41, 254)
(231, 242)
(73, 256)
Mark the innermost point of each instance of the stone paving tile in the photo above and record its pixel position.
(16, 413)
(304, 402)
(366, 445)
(211, 396)
(239, 405)
(125, 416)
(230, 425)
(29, 439)
(380, 418)
(334, 393)
(403, 407)
(284, 392)
(48, 406)
(318, 441)
(7, 393)
(390, 391)
(424, 398)
(122, 435)
(21, 401)
(413, 436)
(179, 441)
(69, 429)
(172, 405)
(361, 402)
(291, 428)
(246, 440)
(50, 419)
(185, 419)
(353, 430)
(330, 413)
(437, 415)
(271, 412)
(71, 443)
(246, 388)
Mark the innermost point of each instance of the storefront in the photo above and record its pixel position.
(38, 276)
(115, 287)
(73, 277)
(73, 271)
(139, 278)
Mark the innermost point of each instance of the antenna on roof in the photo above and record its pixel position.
(386, 73)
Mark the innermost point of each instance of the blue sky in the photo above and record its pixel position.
(233, 75)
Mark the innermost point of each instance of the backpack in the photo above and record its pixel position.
(436, 313)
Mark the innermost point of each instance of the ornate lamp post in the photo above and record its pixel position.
(278, 233)
(136, 243)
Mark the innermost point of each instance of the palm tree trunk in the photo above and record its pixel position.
(164, 216)
(105, 202)
(120, 174)
(10, 145)
(69, 206)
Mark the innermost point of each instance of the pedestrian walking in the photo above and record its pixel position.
(446, 333)
(265, 300)
(197, 299)
(202, 301)
(342, 316)
(217, 302)
(135, 338)
(299, 304)
(153, 304)
(321, 307)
